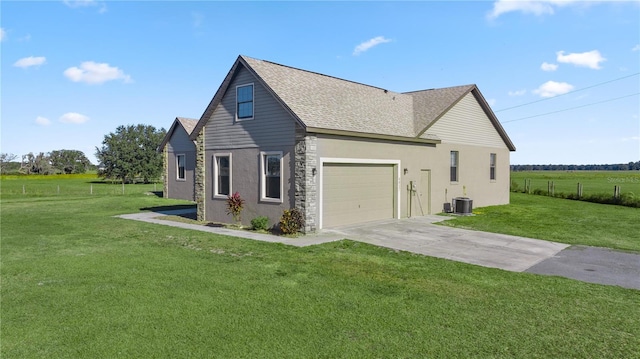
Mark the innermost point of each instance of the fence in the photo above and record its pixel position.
(73, 187)
(596, 192)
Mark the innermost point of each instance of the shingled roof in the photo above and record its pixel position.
(322, 103)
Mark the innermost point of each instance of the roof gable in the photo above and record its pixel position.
(188, 124)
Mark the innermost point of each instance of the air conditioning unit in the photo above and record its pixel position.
(462, 205)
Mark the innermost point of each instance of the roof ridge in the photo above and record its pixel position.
(321, 74)
(439, 88)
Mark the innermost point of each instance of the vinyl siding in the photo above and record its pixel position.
(180, 142)
(271, 126)
(467, 124)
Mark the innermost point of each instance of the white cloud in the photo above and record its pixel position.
(74, 4)
(590, 59)
(517, 93)
(30, 61)
(548, 67)
(95, 73)
(552, 88)
(491, 102)
(632, 138)
(369, 44)
(3, 34)
(535, 7)
(43, 121)
(73, 117)
(636, 48)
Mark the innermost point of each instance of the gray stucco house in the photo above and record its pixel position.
(340, 151)
(179, 159)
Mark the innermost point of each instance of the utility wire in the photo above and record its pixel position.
(573, 108)
(570, 92)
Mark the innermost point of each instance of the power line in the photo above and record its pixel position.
(573, 108)
(570, 92)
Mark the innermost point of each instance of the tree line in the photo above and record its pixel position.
(631, 166)
(54, 162)
(129, 155)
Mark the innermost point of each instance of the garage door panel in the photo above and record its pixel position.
(354, 193)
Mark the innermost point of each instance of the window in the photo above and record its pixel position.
(180, 163)
(492, 167)
(271, 176)
(454, 166)
(244, 98)
(222, 174)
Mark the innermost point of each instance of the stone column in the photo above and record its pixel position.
(200, 177)
(306, 189)
(165, 167)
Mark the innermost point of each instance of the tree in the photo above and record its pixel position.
(36, 164)
(130, 153)
(69, 161)
(5, 160)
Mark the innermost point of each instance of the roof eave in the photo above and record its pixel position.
(494, 119)
(167, 136)
(327, 131)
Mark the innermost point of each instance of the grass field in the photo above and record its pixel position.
(559, 220)
(592, 181)
(79, 283)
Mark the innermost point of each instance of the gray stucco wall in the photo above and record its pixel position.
(245, 179)
(179, 144)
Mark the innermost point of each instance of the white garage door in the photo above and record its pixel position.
(355, 193)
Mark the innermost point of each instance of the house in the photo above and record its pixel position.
(343, 152)
(179, 159)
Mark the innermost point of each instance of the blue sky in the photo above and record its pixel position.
(73, 71)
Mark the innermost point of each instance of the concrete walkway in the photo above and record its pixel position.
(420, 235)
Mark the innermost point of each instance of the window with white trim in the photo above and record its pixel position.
(454, 166)
(180, 167)
(271, 176)
(222, 174)
(492, 167)
(244, 102)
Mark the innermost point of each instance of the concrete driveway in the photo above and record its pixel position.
(419, 235)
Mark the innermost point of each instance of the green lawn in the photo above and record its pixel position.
(593, 182)
(79, 283)
(560, 220)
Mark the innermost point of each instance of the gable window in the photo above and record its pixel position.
(244, 102)
(222, 174)
(454, 166)
(271, 176)
(492, 167)
(180, 166)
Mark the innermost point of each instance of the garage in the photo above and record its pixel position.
(357, 192)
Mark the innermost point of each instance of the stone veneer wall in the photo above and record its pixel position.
(200, 178)
(165, 167)
(306, 188)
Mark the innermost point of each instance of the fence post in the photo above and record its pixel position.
(58, 189)
(579, 190)
(91, 189)
(122, 187)
(616, 192)
(553, 189)
(548, 188)
(23, 190)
